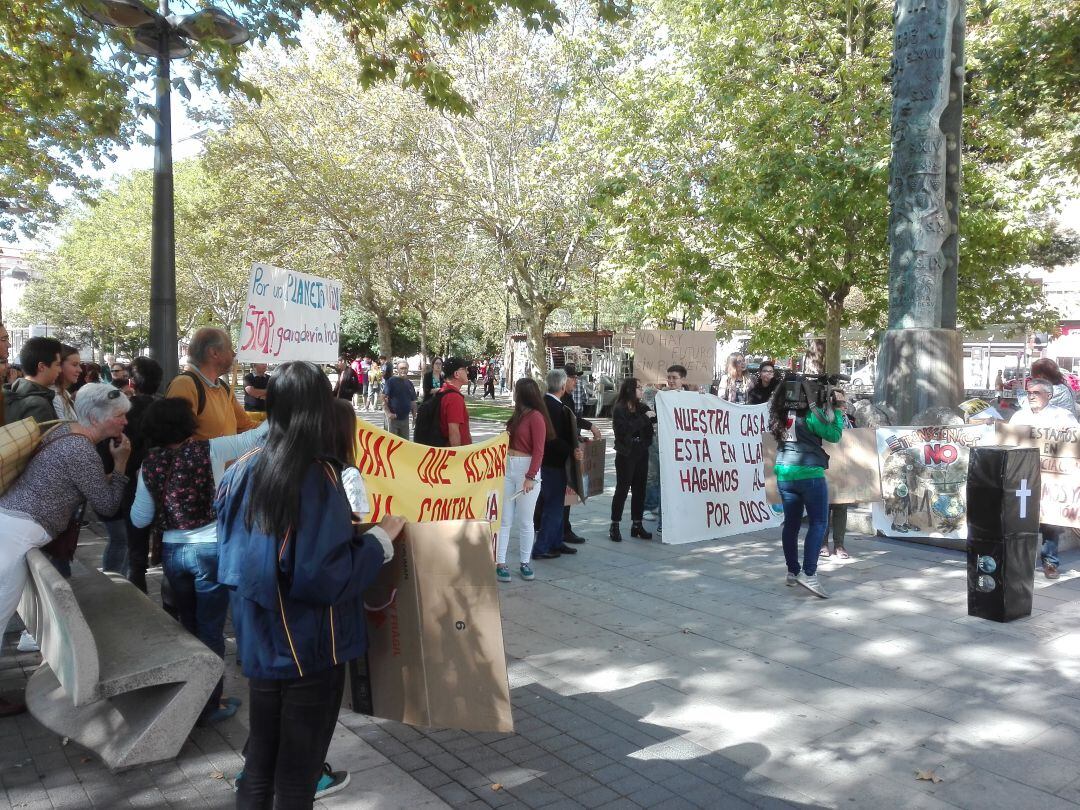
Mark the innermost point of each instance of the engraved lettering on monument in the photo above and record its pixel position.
(922, 215)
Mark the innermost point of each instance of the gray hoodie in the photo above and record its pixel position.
(26, 398)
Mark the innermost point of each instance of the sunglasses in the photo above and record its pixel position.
(115, 393)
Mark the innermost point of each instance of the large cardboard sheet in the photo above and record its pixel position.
(852, 474)
(435, 653)
(655, 350)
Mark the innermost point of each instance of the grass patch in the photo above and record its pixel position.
(496, 413)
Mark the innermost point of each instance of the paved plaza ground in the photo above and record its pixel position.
(649, 675)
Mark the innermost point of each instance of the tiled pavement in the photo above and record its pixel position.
(688, 676)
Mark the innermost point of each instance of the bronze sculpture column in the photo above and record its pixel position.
(920, 363)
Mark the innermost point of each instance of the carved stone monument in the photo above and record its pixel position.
(919, 365)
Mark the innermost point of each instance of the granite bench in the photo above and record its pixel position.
(120, 676)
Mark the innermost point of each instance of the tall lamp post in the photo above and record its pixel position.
(164, 37)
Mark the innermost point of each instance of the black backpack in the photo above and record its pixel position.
(426, 429)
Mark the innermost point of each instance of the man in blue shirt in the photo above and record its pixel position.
(400, 401)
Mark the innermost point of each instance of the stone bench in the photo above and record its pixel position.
(120, 676)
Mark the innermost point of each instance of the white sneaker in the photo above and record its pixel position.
(27, 643)
(791, 579)
(811, 584)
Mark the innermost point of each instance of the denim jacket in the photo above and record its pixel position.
(298, 608)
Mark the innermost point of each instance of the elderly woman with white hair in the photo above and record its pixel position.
(64, 472)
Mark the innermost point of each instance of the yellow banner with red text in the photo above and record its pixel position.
(424, 484)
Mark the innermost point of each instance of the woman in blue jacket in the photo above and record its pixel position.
(288, 548)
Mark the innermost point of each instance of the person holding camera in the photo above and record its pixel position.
(802, 415)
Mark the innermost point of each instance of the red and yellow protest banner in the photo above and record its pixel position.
(424, 484)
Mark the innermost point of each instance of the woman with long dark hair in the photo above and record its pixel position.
(799, 428)
(530, 428)
(289, 549)
(70, 371)
(632, 423)
(432, 379)
(767, 380)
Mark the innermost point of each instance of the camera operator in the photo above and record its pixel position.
(804, 412)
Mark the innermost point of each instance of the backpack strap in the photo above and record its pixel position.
(200, 390)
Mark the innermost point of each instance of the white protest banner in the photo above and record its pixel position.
(924, 480)
(655, 350)
(712, 478)
(290, 316)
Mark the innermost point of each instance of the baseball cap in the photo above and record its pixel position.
(452, 364)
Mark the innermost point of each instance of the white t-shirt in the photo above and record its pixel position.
(1050, 416)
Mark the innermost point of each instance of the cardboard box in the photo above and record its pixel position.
(592, 466)
(435, 654)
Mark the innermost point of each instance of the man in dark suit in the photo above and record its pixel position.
(557, 451)
(574, 399)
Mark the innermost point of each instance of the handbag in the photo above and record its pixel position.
(18, 443)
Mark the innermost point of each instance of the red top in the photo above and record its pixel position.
(529, 437)
(452, 410)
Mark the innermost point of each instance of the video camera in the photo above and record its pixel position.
(806, 391)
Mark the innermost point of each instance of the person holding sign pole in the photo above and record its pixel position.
(633, 426)
(801, 417)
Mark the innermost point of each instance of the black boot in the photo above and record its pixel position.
(614, 534)
(637, 530)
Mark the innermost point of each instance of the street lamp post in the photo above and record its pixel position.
(164, 37)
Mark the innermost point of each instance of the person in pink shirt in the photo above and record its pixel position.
(530, 427)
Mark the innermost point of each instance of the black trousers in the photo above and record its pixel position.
(138, 554)
(292, 722)
(631, 473)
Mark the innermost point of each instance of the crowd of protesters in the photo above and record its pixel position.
(251, 509)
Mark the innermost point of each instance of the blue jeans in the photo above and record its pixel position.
(811, 494)
(552, 497)
(115, 558)
(1050, 537)
(201, 602)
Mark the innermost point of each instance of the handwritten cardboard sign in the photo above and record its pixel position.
(655, 350)
(290, 316)
(1059, 459)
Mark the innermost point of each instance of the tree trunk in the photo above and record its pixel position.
(537, 350)
(423, 340)
(386, 327)
(834, 314)
(815, 357)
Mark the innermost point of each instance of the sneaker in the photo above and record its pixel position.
(330, 782)
(526, 573)
(811, 584)
(27, 643)
(502, 573)
(791, 579)
(1050, 571)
